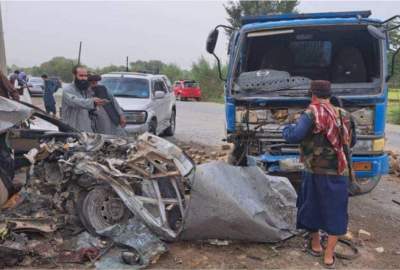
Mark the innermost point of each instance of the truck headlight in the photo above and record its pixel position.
(378, 145)
(135, 117)
(365, 146)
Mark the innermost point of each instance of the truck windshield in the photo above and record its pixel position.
(348, 56)
(127, 87)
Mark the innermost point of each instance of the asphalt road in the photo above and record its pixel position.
(201, 122)
(392, 137)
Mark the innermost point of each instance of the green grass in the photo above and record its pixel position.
(393, 113)
(393, 110)
(219, 99)
(394, 94)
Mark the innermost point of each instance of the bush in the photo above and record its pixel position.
(394, 113)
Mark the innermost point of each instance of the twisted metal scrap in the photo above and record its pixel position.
(124, 164)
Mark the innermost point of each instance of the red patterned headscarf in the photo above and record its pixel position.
(327, 122)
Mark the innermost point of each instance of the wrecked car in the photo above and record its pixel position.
(113, 201)
(272, 60)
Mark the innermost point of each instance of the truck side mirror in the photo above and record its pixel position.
(212, 41)
(376, 33)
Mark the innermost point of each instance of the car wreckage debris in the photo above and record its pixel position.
(93, 182)
(111, 202)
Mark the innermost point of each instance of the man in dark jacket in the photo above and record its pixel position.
(323, 132)
(110, 118)
(48, 96)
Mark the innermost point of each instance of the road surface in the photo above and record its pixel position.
(201, 122)
(392, 137)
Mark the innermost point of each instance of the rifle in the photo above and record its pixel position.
(354, 186)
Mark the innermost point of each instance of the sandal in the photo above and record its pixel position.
(311, 251)
(330, 265)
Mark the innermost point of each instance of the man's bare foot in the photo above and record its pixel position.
(328, 258)
(316, 242)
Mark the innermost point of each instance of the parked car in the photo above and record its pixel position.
(146, 99)
(36, 86)
(185, 89)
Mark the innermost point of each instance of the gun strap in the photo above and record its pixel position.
(345, 145)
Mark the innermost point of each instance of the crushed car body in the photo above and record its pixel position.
(239, 203)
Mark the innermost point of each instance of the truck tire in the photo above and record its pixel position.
(170, 131)
(366, 185)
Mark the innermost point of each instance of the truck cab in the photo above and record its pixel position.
(272, 60)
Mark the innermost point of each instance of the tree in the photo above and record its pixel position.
(237, 9)
(173, 72)
(57, 66)
(211, 86)
(152, 66)
(108, 69)
(394, 39)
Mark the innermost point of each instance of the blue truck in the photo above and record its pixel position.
(272, 60)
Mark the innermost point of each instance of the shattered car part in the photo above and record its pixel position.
(150, 176)
(12, 113)
(10, 256)
(102, 208)
(239, 203)
(44, 225)
(138, 240)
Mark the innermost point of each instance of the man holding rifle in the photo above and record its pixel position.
(325, 134)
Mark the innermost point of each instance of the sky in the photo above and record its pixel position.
(171, 31)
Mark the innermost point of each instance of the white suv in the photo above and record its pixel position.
(146, 99)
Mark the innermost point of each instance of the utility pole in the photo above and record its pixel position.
(79, 54)
(127, 64)
(3, 63)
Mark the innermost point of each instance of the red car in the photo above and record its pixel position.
(184, 90)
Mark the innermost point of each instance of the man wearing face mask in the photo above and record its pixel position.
(77, 101)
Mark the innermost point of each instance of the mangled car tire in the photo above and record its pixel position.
(101, 208)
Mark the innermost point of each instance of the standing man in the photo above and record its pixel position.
(77, 101)
(109, 118)
(6, 89)
(14, 78)
(48, 95)
(322, 131)
(21, 79)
